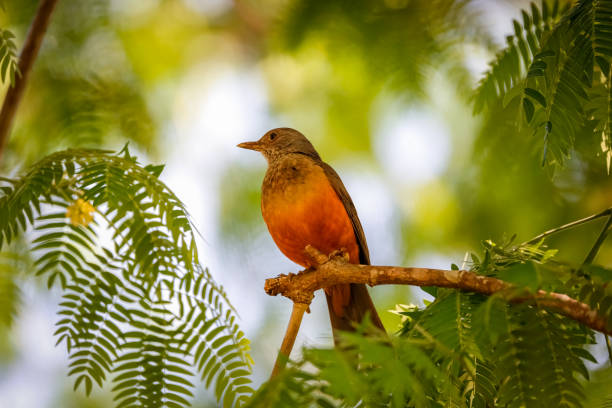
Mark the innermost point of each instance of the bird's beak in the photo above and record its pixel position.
(250, 145)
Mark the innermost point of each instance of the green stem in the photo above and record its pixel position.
(609, 347)
(607, 212)
(600, 240)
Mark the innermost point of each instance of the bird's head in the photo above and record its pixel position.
(281, 141)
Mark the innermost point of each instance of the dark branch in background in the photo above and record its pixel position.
(26, 60)
(336, 270)
(600, 240)
(593, 253)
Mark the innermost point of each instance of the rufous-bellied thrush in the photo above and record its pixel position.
(305, 203)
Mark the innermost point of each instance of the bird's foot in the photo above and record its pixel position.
(318, 258)
(341, 253)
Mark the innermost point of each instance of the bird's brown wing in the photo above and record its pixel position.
(360, 303)
(334, 179)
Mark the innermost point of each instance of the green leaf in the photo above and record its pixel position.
(536, 95)
(529, 109)
(155, 169)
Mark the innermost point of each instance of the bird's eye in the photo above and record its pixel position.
(272, 136)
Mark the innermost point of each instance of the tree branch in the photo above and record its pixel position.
(26, 60)
(290, 334)
(606, 212)
(600, 240)
(335, 270)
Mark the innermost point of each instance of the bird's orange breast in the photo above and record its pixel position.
(301, 208)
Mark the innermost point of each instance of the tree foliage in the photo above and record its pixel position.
(139, 307)
(557, 65)
(391, 38)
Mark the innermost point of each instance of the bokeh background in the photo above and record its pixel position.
(383, 90)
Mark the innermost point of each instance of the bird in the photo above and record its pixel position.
(304, 202)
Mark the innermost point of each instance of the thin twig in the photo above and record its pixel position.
(600, 240)
(568, 226)
(337, 271)
(290, 334)
(26, 60)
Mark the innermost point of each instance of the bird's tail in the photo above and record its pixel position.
(348, 304)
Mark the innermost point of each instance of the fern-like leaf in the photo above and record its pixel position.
(12, 263)
(538, 337)
(558, 64)
(512, 64)
(143, 311)
(8, 57)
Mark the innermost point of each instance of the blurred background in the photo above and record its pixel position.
(382, 88)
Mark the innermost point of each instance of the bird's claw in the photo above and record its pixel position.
(318, 258)
(340, 253)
